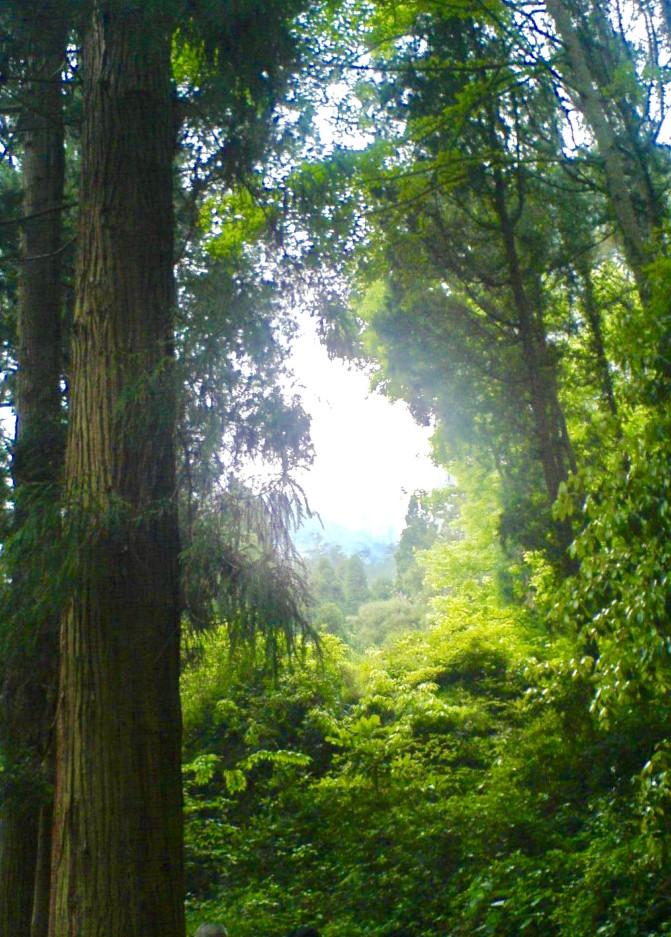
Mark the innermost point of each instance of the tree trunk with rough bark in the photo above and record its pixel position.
(117, 856)
(29, 674)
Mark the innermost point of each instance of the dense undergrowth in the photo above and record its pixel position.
(485, 775)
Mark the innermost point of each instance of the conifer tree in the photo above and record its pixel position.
(35, 40)
(117, 854)
(117, 866)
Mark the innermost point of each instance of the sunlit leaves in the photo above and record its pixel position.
(619, 598)
(232, 222)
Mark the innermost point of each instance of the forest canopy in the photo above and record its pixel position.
(467, 734)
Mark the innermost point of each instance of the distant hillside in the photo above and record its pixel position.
(373, 548)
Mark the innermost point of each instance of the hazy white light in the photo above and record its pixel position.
(370, 453)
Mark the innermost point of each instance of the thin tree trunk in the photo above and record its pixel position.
(593, 314)
(28, 681)
(555, 452)
(39, 926)
(117, 857)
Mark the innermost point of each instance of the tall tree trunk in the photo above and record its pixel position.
(28, 680)
(554, 448)
(635, 227)
(117, 857)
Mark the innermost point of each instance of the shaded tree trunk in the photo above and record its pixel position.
(553, 445)
(117, 855)
(39, 926)
(554, 449)
(17, 866)
(28, 682)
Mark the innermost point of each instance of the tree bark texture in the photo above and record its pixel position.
(29, 673)
(117, 856)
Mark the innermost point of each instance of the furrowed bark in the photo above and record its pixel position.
(117, 857)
